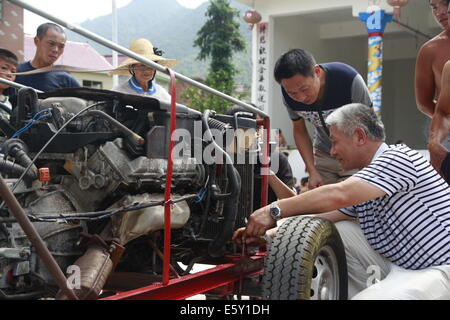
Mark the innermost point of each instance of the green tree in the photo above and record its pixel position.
(218, 39)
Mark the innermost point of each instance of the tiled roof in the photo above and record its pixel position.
(76, 54)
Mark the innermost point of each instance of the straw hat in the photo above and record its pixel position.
(144, 48)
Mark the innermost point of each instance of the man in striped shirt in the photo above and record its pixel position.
(402, 205)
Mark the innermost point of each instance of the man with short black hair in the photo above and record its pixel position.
(311, 92)
(50, 41)
(402, 206)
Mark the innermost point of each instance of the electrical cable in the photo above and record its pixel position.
(37, 117)
(201, 194)
(104, 213)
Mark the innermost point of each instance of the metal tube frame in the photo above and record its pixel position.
(186, 286)
(15, 84)
(228, 275)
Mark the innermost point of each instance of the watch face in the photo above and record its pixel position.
(275, 211)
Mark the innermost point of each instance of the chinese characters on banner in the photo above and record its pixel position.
(262, 64)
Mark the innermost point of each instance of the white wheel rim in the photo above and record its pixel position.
(325, 278)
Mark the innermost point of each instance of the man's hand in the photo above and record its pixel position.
(258, 222)
(437, 155)
(239, 237)
(314, 181)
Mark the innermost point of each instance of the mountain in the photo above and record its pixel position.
(170, 27)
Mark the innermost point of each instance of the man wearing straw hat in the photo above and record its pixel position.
(142, 76)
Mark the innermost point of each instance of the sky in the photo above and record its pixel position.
(78, 11)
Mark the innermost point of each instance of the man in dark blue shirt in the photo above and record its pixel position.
(311, 92)
(50, 42)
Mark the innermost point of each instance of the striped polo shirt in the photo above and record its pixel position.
(410, 224)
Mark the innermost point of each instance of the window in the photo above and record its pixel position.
(93, 84)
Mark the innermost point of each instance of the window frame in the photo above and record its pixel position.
(92, 84)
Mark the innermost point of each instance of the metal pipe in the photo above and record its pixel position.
(168, 190)
(114, 39)
(161, 256)
(16, 85)
(222, 275)
(35, 239)
(135, 56)
(128, 132)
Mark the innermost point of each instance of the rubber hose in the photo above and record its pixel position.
(217, 247)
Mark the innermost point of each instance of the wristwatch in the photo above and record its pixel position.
(275, 211)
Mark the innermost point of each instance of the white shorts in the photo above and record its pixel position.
(373, 277)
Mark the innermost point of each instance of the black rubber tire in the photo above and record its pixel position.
(289, 265)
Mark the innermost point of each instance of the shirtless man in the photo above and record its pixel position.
(440, 126)
(431, 59)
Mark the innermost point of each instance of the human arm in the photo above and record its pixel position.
(324, 199)
(279, 187)
(440, 123)
(424, 81)
(304, 146)
(239, 235)
(334, 216)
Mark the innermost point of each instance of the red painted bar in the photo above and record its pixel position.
(167, 206)
(196, 283)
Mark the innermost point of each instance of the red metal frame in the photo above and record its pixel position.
(168, 201)
(228, 274)
(224, 276)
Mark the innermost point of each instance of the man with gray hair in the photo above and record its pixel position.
(393, 215)
(50, 41)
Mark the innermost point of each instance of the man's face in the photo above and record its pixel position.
(439, 8)
(50, 47)
(303, 89)
(344, 149)
(6, 68)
